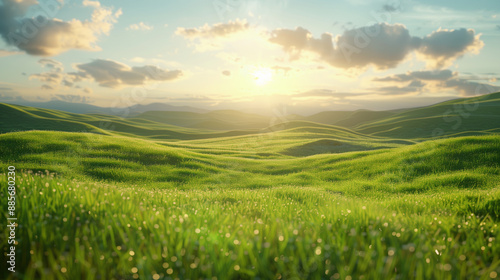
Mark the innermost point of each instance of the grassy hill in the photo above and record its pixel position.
(215, 120)
(295, 138)
(123, 207)
(469, 116)
(126, 159)
(103, 197)
(348, 119)
(22, 118)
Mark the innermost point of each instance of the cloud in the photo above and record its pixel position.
(112, 74)
(45, 35)
(215, 31)
(326, 93)
(226, 73)
(498, 26)
(140, 26)
(8, 94)
(437, 81)
(47, 87)
(381, 45)
(7, 53)
(212, 37)
(470, 88)
(390, 8)
(414, 87)
(88, 90)
(72, 98)
(439, 75)
(443, 46)
(354, 48)
(52, 64)
(55, 76)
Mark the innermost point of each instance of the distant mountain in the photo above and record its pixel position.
(213, 120)
(77, 108)
(138, 109)
(347, 118)
(460, 117)
(83, 108)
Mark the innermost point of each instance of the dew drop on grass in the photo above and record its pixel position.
(318, 251)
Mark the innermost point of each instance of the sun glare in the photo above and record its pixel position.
(262, 76)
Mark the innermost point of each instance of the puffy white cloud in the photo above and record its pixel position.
(381, 45)
(113, 74)
(140, 26)
(47, 36)
(55, 76)
(107, 73)
(214, 31)
(443, 46)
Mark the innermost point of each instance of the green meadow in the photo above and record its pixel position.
(407, 194)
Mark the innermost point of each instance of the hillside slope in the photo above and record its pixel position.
(463, 162)
(468, 116)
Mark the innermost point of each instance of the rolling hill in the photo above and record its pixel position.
(113, 198)
(468, 116)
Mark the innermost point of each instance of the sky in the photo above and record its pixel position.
(253, 55)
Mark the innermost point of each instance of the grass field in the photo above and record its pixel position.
(366, 196)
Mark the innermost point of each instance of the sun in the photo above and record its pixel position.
(262, 76)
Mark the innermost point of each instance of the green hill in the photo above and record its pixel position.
(215, 120)
(121, 207)
(130, 159)
(468, 116)
(348, 118)
(21, 118)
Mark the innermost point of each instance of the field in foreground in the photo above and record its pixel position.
(124, 208)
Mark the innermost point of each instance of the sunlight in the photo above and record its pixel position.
(262, 76)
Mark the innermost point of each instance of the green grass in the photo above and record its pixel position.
(430, 211)
(141, 198)
(74, 230)
(469, 115)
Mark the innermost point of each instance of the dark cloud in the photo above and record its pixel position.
(226, 73)
(47, 87)
(439, 75)
(416, 84)
(381, 45)
(214, 31)
(42, 34)
(109, 73)
(390, 8)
